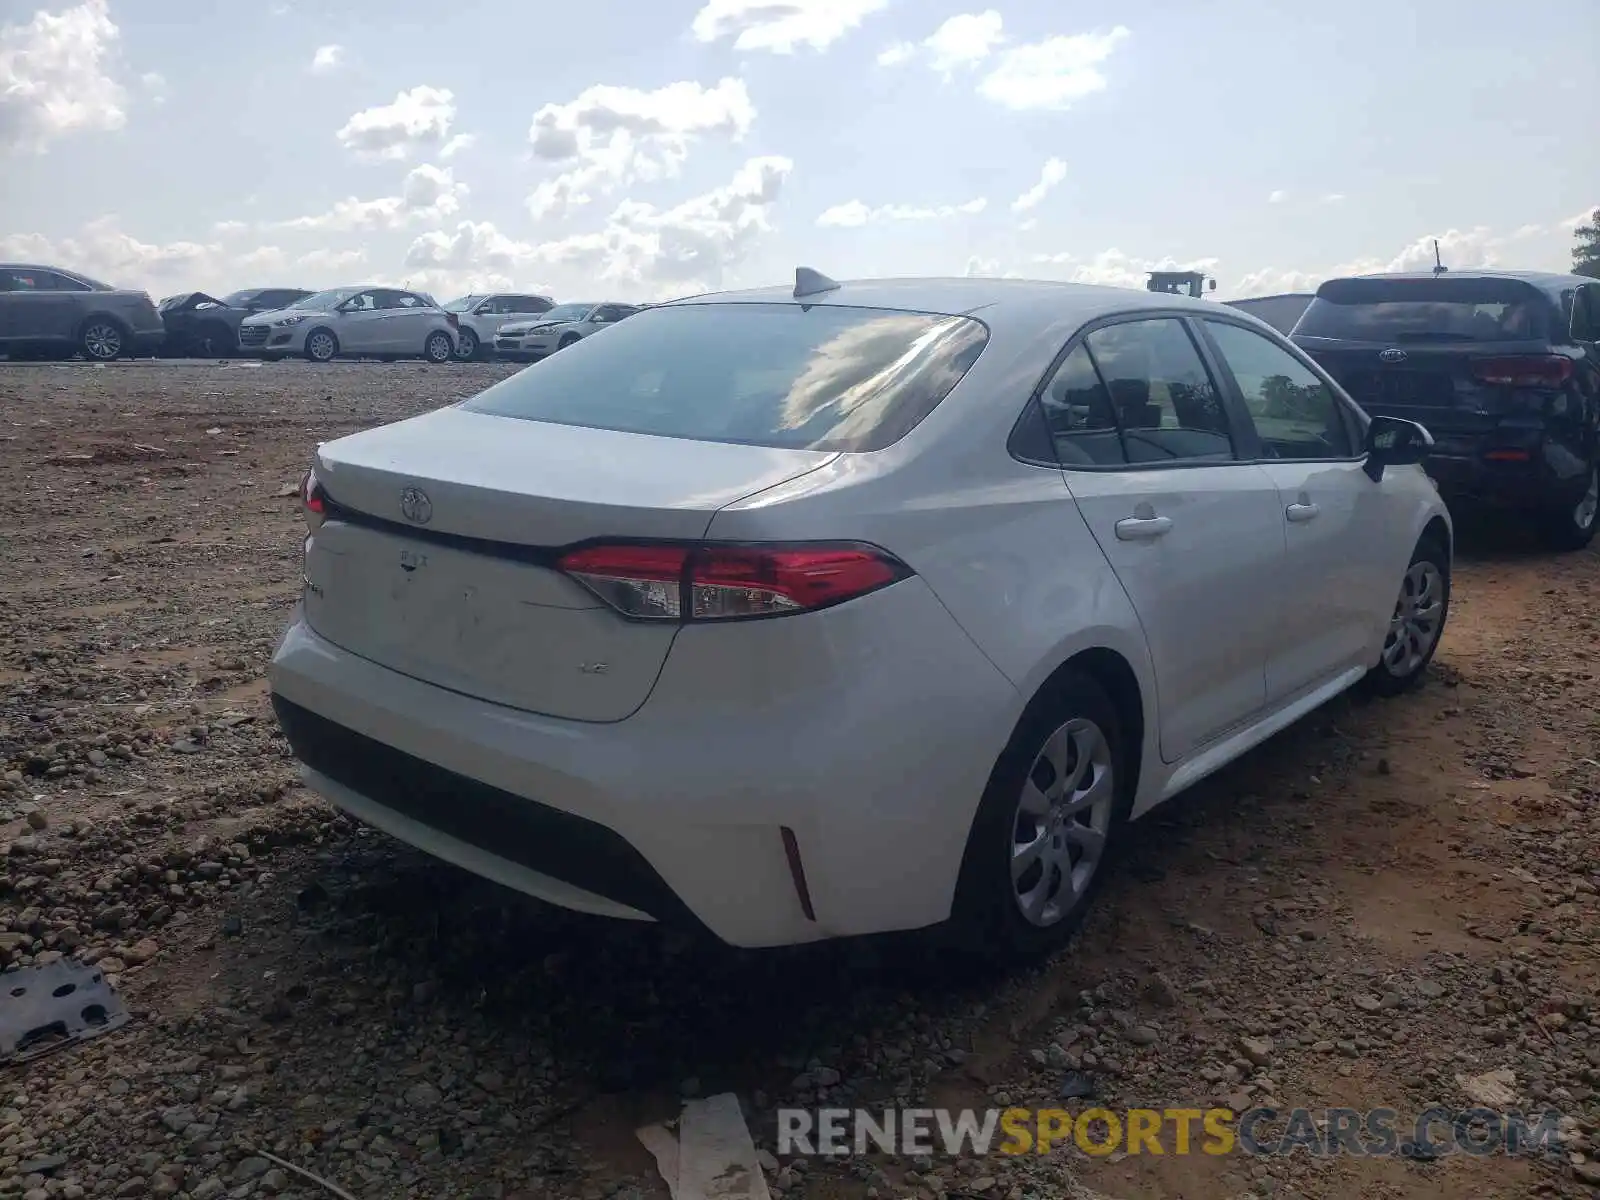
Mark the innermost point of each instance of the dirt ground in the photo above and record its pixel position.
(1386, 900)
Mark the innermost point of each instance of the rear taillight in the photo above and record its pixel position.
(313, 501)
(1523, 370)
(711, 582)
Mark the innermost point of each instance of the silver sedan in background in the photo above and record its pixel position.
(376, 322)
(558, 328)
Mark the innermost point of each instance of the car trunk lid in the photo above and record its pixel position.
(438, 557)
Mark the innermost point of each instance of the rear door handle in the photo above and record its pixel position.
(1301, 512)
(1142, 529)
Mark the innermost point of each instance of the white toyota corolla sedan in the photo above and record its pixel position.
(795, 614)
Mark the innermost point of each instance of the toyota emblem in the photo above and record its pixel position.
(415, 506)
(1392, 355)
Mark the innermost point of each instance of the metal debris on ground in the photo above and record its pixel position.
(713, 1157)
(47, 1007)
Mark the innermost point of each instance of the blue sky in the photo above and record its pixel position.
(647, 148)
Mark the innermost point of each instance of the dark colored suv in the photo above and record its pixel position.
(1503, 368)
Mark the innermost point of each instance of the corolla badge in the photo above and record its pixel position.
(1392, 355)
(415, 506)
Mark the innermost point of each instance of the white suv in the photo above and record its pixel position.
(482, 316)
(856, 608)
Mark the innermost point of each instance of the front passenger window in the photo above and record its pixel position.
(1295, 414)
(1165, 403)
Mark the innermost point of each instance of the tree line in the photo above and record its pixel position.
(1586, 253)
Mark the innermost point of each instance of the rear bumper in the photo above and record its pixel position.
(870, 736)
(1514, 467)
(463, 820)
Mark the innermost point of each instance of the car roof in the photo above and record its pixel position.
(26, 266)
(1017, 301)
(1542, 279)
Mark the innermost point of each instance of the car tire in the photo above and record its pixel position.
(438, 348)
(321, 346)
(1063, 784)
(568, 340)
(468, 346)
(103, 339)
(215, 340)
(1573, 528)
(1413, 638)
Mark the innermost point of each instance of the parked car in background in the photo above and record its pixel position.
(1502, 367)
(200, 325)
(557, 329)
(366, 321)
(482, 316)
(48, 312)
(898, 642)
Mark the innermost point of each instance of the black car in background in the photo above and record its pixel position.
(1503, 368)
(201, 326)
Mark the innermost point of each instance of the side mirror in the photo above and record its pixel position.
(1585, 322)
(1211, 285)
(1392, 442)
(482, 310)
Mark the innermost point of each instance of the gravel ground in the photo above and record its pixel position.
(1386, 897)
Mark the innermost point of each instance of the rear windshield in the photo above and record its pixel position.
(1425, 310)
(780, 375)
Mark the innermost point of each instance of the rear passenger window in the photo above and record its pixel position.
(1294, 412)
(1164, 402)
(1077, 410)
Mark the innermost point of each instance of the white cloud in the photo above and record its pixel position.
(229, 228)
(1277, 196)
(688, 248)
(429, 193)
(1053, 73)
(1334, 198)
(331, 261)
(1053, 173)
(104, 250)
(853, 213)
(461, 141)
(1272, 282)
(476, 256)
(963, 41)
(613, 136)
(1527, 231)
(418, 120)
(327, 58)
(54, 79)
(1460, 249)
(781, 26)
(1588, 217)
(155, 86)
(1113, 268)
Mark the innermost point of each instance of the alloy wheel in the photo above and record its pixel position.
(1584, 514)
(438, 348)
(102, 341)
(467, 347)
(1418, 619)
(1062, 822)
(320, 346)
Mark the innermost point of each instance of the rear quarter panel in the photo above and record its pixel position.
(1001, 546)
